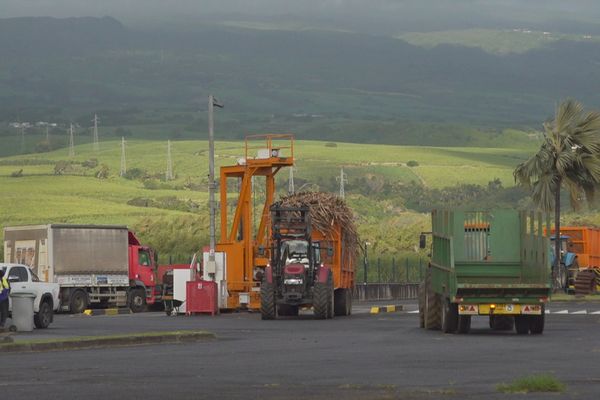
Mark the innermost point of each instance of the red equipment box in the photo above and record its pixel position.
(201, 297)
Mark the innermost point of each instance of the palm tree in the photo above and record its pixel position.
(569, 157)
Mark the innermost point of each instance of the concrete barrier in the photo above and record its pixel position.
(385, 291)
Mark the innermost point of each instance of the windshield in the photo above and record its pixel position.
(294, 250)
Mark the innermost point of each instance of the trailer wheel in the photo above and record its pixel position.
(449, 316)
(43, 318)
(464, 324)
(536, 323)
(330, 304)
(433, 308)
(286, 310)
(267, 301)
(342, 302)
(421, 297)
(502, 323)
(522, 324)
(137, 300)
(79, 302)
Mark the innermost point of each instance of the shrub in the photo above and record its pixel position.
(412, 163)
(91, 163)
(17, 174)
(330, 144)
(62, 167)
(103, 172)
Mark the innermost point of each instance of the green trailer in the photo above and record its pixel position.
(486, 263)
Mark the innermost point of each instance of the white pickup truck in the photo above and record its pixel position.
(23, 280)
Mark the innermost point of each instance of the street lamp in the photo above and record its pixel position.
(212, 102)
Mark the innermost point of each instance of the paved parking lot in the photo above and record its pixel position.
(365, 356)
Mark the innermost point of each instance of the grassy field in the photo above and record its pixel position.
(36, 195)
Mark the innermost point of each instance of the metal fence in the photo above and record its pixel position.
(390, 270)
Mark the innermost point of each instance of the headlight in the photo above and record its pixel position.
(292, 281)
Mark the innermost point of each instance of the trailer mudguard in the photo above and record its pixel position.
(323, 274)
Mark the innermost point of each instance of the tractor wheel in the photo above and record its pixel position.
(502, 322)
(585, 282)
(321, 300)
(286, 310)
(433, 308)
(449, 316)
(536, 323)
(522, 324)
(267, 301)
(464, 324)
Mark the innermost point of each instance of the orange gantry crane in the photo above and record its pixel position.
(247, 249)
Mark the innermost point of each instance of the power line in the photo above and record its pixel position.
(123, 161)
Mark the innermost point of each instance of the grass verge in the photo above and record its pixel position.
(572, 297)
(86, 342)
(533, 383)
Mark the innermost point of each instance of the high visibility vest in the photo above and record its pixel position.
(4, 284)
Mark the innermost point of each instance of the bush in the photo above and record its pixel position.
(91, 163)
(135, 173)
(103, 172)
(412, 163)
(17, 174)
(330, 144)
(62, 167)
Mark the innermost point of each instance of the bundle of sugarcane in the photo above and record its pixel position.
(326, 211)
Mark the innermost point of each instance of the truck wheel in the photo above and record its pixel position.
(286, 310)
(79, 302)
(502, 322)
(43, 318)
(522, 324)
(449, 316)
(267, 301)
(464, 324)
(137, 300)
(536, 323)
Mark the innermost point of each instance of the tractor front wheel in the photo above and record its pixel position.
(267, 301)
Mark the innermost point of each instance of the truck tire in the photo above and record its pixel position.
(522, 324)
(536, 323)
(286, 310)
(79, 302)
(502, 322)
(137, 300)
(43, 317)
(267, 301)
(464, 324)
(321, 300)
(449, 316)
(433, 309)
(342, 302)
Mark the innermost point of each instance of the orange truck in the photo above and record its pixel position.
(584, 269)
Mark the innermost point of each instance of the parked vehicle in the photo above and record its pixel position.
(307, 268)
(23, 280)
(568, 266)
(94, 265)
(494, 264)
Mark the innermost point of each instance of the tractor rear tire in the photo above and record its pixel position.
(464, 324)
(449, 316)
(522, 324)
(267, 301)
(286, 310)
(502, 322)
(536, 323)
(321, 300)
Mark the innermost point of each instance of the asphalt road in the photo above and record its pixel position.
(384, 356)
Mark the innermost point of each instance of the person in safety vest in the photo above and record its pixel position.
(4, 291)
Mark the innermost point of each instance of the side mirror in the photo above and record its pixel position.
(422, 241)
(13, 279)
(330, 252)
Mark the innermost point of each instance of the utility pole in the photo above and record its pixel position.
(71, 142)
(96, 145)
(212, 103)
(343, 178)
(123, 161)
(291, 189)
(169, 174)
(22, 138)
